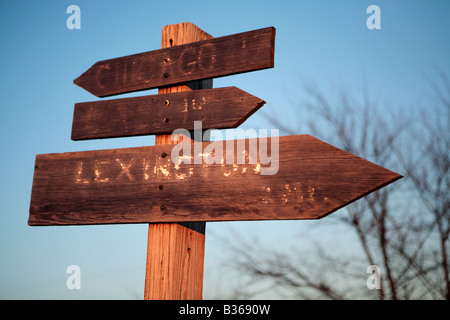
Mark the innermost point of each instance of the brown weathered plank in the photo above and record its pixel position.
(217, 57)
(163, 113)
(136, 185)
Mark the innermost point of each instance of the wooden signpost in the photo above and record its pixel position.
(176, 188)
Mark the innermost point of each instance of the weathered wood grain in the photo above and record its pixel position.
(163, 113)
(176, 251)
(174, 269)
(217, 57)
(137, 185)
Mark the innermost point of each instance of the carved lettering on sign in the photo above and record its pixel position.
(118, 170)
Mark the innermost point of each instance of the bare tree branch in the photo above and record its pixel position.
(405, 229)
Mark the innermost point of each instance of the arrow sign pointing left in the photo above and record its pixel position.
(217, 57)
(163, 113)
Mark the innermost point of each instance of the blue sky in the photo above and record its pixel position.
(326, 41)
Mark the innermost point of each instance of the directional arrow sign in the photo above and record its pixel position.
(217, 57)
(163, 113)
(308, 180)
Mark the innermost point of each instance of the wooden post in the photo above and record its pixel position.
(175, 252)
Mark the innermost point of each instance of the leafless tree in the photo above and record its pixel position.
(427, 166)
(403, 228)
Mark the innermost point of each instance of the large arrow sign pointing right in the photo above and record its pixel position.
(310, 180)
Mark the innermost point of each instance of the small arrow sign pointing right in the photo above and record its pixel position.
(163, 113)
